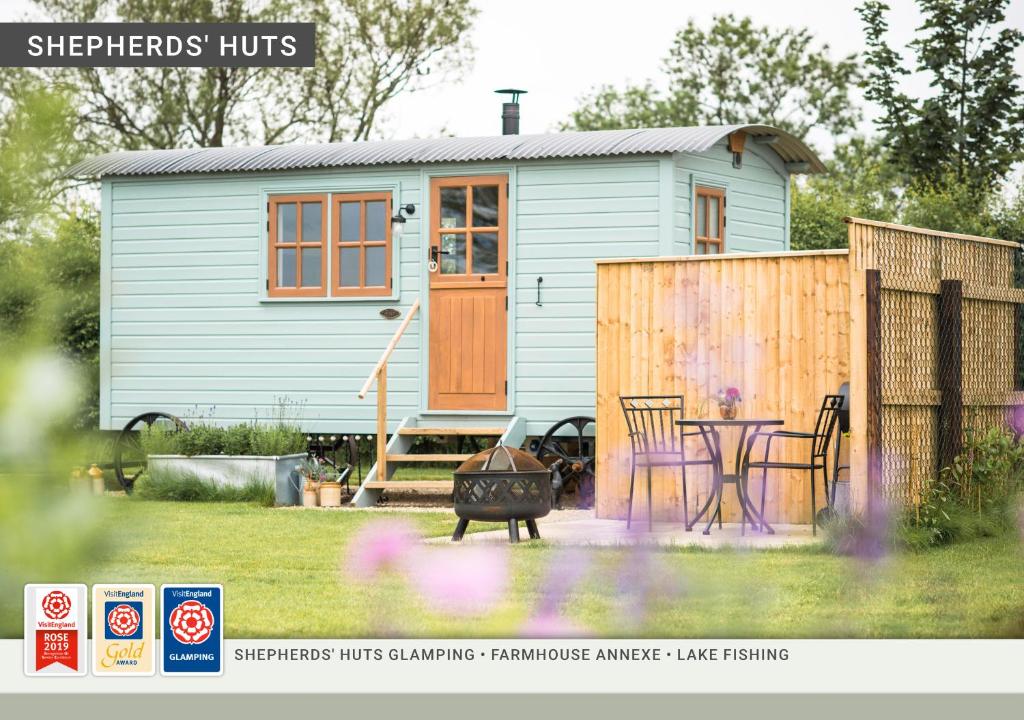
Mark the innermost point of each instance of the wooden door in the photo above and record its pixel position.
(468, 293)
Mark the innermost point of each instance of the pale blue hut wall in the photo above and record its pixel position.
(186, 327)
(757, 198)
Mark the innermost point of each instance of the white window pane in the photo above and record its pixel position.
(713, 217)
(375, 262)
(454, 263)
(310, 267)
(349, 259)
(702, 228)
(350, 221)
(286, 223)
(376, 220)
(286, 267)
(311, 222)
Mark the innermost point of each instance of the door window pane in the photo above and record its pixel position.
(376, 220)
(702, 228)
(311, 267)
(286, 267)
(454, 263)
(485, 253)
(713, 217)
(375, 262)
(485, 206)
(349, 259)
(350, 222)
(311, 222)
(453, 207)
(286, 223)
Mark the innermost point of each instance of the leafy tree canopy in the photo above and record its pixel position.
(969, 130)
(734, 72)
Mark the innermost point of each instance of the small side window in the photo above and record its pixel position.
(297, 251)
(709, 221)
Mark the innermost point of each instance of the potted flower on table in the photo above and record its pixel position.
(728, 400)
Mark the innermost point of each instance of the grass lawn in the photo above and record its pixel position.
(283, 577)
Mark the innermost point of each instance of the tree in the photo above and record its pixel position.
(735, 72)
(368, 52)
(970, 129)
(37, 143)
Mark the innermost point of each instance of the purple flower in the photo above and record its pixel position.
(552, 625)
(379, 546)
(459, 580)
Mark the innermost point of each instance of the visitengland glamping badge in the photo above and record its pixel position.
(55, 630)
(123, 629)
(192, 633)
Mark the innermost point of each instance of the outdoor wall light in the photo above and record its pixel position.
(399, 220)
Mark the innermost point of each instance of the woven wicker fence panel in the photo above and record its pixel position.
(912, 265)
(909, 458)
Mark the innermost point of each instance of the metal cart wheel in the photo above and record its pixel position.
(129, 458)
(571, 451)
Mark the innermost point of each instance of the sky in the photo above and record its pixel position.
(558, 50)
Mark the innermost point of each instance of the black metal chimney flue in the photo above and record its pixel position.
(510, 111)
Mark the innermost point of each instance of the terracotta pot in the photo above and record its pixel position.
(728, 411)
(330, 494)
(309, 496)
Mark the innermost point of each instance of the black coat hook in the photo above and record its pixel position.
(539, 281)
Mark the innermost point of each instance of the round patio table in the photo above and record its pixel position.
(709, 430)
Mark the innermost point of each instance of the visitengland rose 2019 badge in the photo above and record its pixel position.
(123, 629)
(192, 633)
(55, 629)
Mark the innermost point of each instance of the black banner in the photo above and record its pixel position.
(157, 44)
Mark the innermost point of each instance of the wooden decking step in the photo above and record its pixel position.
(431, 457)
(441, 431)
(433, 485)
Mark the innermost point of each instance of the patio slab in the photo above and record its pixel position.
(575, 528)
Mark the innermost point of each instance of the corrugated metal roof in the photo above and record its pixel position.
(449, 149)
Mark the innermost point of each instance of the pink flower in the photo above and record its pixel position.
(460, 580)
(379, 546)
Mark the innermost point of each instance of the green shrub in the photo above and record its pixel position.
(159, 440)
(183, 487)
(243, 439)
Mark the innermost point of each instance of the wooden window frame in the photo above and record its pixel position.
(336, 245)
(702, 193)
(273, 245)
(470, 279)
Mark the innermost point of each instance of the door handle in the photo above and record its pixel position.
(434, 252)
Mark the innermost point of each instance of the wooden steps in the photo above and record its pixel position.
(400, 485)
(453, 431)
(430, 457)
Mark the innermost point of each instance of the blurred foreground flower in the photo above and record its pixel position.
(381, 545)
(552, 626)
(461, 580)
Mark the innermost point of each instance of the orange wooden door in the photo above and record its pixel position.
(468, 293)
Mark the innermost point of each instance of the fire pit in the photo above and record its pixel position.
(502, 484)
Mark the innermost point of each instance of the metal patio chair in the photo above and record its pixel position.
(656, 441)
(820, 442)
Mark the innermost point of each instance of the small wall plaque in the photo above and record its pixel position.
(389, 313)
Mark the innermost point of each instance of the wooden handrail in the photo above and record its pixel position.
(380, 374)
(389, 349)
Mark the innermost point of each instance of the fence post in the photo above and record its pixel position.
(950, 375)
(873, 429)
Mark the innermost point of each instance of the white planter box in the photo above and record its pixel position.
(235, 470)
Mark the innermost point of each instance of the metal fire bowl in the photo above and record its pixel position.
(502, 496)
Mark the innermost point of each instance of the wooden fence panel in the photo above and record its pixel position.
(775, 326)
